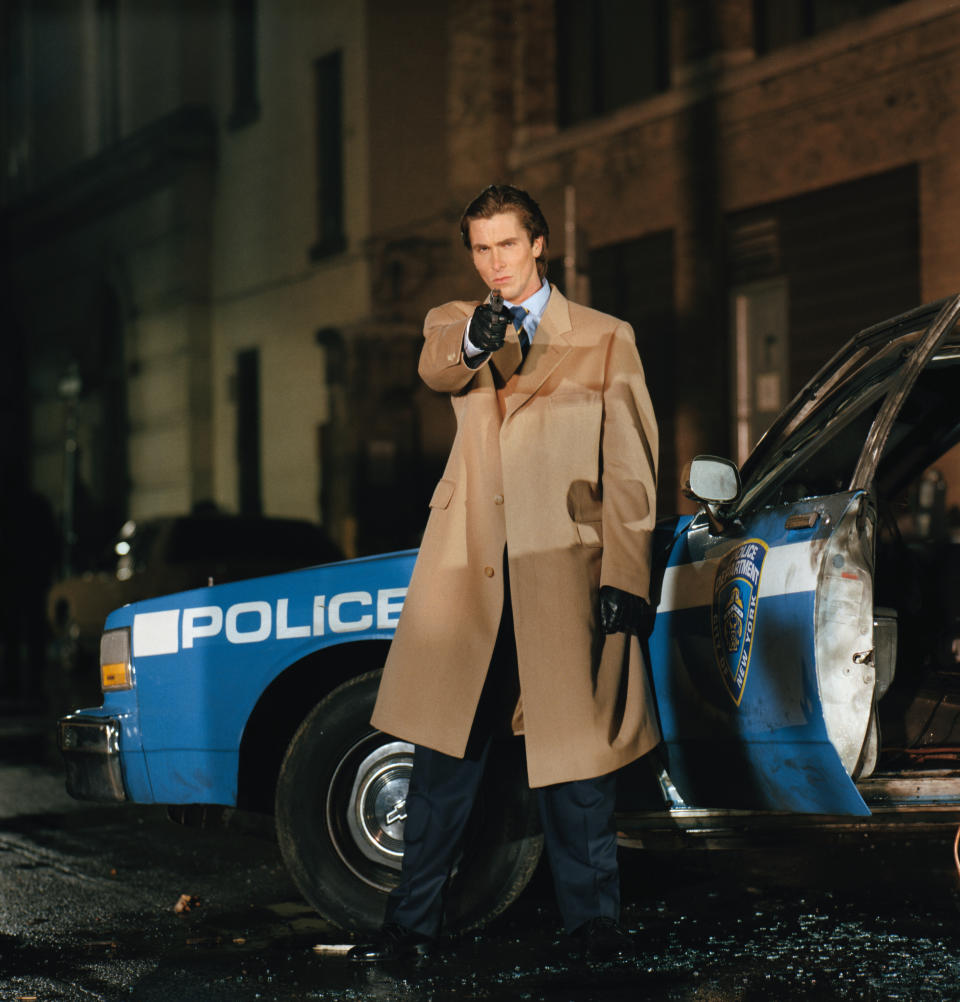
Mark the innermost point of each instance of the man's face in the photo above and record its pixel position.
(504, 256)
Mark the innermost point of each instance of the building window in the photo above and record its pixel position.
(609, 54)
(14, 129)
(846, 264)
(328, 84)
(246, 101)
(782, 22)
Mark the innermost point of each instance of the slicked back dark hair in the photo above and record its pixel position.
(497, 198)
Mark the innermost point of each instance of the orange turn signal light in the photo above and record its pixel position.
(115, 676)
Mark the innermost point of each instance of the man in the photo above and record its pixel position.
(542, 520)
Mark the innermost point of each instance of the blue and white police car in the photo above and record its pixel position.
(805, 660)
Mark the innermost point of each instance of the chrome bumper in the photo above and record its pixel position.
(91, 753)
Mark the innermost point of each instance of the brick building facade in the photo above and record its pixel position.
(238, 216)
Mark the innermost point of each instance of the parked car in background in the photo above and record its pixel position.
(803, 658)
(157, 556)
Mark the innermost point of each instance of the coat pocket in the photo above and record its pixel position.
(442, 494)
(590, 533)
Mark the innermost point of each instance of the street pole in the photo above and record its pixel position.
(69, 390)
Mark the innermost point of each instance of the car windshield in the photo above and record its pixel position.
(813, 447)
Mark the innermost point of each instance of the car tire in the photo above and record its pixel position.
(340, 833)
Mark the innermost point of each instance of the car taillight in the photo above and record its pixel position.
(115, 669)
(844, 632)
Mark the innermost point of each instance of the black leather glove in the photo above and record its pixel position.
(488, 329)
(621, 612)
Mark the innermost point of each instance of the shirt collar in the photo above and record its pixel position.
(537, 303)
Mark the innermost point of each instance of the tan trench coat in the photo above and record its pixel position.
(557, 462)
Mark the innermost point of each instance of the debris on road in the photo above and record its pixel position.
(333, 949)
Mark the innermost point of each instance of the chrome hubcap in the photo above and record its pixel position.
(377, 809)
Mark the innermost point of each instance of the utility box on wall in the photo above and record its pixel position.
(759, 323)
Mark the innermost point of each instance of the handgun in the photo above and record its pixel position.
(496, 302)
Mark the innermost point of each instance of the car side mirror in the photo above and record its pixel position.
(711, 480)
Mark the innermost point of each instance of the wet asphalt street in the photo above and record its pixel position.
(88, 896)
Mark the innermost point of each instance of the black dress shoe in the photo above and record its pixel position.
(603, 939)
(391, 942)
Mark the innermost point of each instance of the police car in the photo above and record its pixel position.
(805, 660)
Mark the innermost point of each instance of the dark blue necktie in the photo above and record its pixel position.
(518, 313)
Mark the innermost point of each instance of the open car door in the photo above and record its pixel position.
(762, 653)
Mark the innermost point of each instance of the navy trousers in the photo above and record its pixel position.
(577, 817)
(579, 836)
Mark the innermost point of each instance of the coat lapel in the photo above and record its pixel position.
(550, 346)
(507, 360)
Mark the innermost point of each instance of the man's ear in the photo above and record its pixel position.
(538, 247)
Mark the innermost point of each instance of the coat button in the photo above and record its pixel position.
(488, 571)
(498, 499)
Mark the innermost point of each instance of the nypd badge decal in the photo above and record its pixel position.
(735, 592)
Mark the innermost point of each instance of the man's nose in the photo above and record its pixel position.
(497, 259)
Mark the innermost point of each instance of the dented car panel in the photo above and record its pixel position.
(746, 708)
